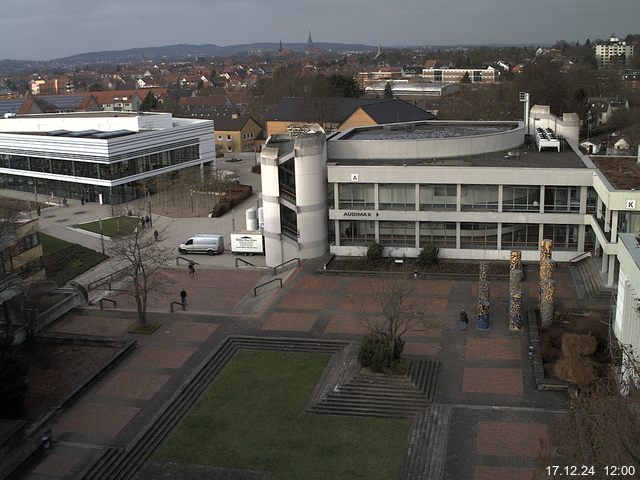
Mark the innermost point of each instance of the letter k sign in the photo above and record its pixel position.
(631, 204)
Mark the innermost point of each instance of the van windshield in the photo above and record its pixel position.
(189, 242)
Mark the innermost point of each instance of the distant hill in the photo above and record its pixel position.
(186, 51)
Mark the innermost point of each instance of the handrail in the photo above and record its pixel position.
(583, 254)
(176, 303)
(255, 290)
(243, 261)
(186, 260)
(115, 304)
(275, 269)
(111, 277)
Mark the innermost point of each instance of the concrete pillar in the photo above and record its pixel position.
(581, 237)
(607, 220)
(336, 197)
(583, 200)
(458, 235)
(499, 246)
(541, 201)
(336, 229)
(599, 208)
(417, 197)
(605, 260)
(376, 202)
(417, 239)
(500, 197)
(614, 226)
(612, 271)
(458, 198)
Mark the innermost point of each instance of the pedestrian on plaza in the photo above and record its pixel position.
(183, 297)
(156, 235)
(192, 268)
(147, 220)
(464, 320)
(38, 211)
(65, 202)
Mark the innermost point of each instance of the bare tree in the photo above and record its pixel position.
(142, 258)
(400, 315)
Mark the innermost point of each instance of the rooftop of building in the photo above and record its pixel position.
(424, 130)
(622, 172)
(631, 243)
(524, 156)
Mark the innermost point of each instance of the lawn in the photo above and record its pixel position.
(112, 227)
(252, 417)
(64, 261)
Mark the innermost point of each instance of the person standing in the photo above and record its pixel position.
(192, 268)
(156, 235)
(464, 320)
(183, 297)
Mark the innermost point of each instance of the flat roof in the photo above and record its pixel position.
(631, 244)
(622, 172)
(416, 131)
(525, 156)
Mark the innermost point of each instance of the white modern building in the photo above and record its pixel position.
(404, 88)
(99, 156)
(456, 75)
(612, 51)
(476, 190)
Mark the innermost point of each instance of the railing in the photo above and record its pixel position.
(255, 290)
(107, 279)
(577, 258)
(275, 269)
(102, 300)
(243, 261)
(186, 260)
(176, 303)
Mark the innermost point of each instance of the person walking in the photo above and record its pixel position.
(65, 203)
(183, 297)
(192, 268)
(156, 235)
(464, 320)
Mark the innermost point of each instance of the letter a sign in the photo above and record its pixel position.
(631, 205)
(354, 177)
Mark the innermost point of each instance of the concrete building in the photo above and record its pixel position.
(99, 156)
(456, 75)
(613, 52)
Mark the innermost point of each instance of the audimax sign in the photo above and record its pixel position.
(360, 214)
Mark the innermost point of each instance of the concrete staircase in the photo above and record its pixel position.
(427, 446)
(122, 463)
(589, 280)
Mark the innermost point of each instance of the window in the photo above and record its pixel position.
(438, 197)
(520, 198)
(220, 138)
(520, 235)
(360, 233)
(398, 234)
(397, 196)
(229, 149)
(228, 138)
(480, 197)
(356, 196)
(479, 235)
(592, 201)
(562, 199)
(289, 222)
(440, 234)
(564, 237)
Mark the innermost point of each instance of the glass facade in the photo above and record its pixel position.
(480, 198)
(357, 233)
(398, 234)
(520, 198)
(479, 235)
(562, 199)
(440, 234)
(438, 197)
(356, 196)
(565, 237)
(523, 236)
(397, 196)
(104, 171)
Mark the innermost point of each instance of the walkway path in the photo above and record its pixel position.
(498, 419)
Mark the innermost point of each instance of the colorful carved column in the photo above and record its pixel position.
(482, 323)
(546, 303)
(515, 290)
(546, 265)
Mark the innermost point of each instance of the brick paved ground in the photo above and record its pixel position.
(498, 418)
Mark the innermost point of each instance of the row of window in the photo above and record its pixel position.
(402, 196)
(443, 234)
(110, 171)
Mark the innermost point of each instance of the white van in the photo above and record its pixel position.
(203, 243)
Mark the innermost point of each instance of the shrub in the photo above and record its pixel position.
(221, 208)
(13, 387)
(256, 168)
(428, 256)
(375, 351)
(574, 345)
(374, 253)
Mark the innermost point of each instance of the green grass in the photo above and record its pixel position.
(52, 244)
(252, 417)
(112, 227)
(64, 261)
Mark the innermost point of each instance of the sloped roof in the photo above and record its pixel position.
(109, 96)
(11, 106)
(319, 109)
(226, 123)
(395, 112)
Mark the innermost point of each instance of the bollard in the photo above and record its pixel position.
(530, 354)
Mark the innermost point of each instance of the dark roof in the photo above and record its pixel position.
(395, 112)
(338, 109)
(227, 123)
(317, 109)
(11, 106)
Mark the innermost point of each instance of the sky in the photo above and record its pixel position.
(48, 29)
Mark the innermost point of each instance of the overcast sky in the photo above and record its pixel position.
(47, 29)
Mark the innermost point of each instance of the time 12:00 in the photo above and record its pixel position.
(587, 470)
